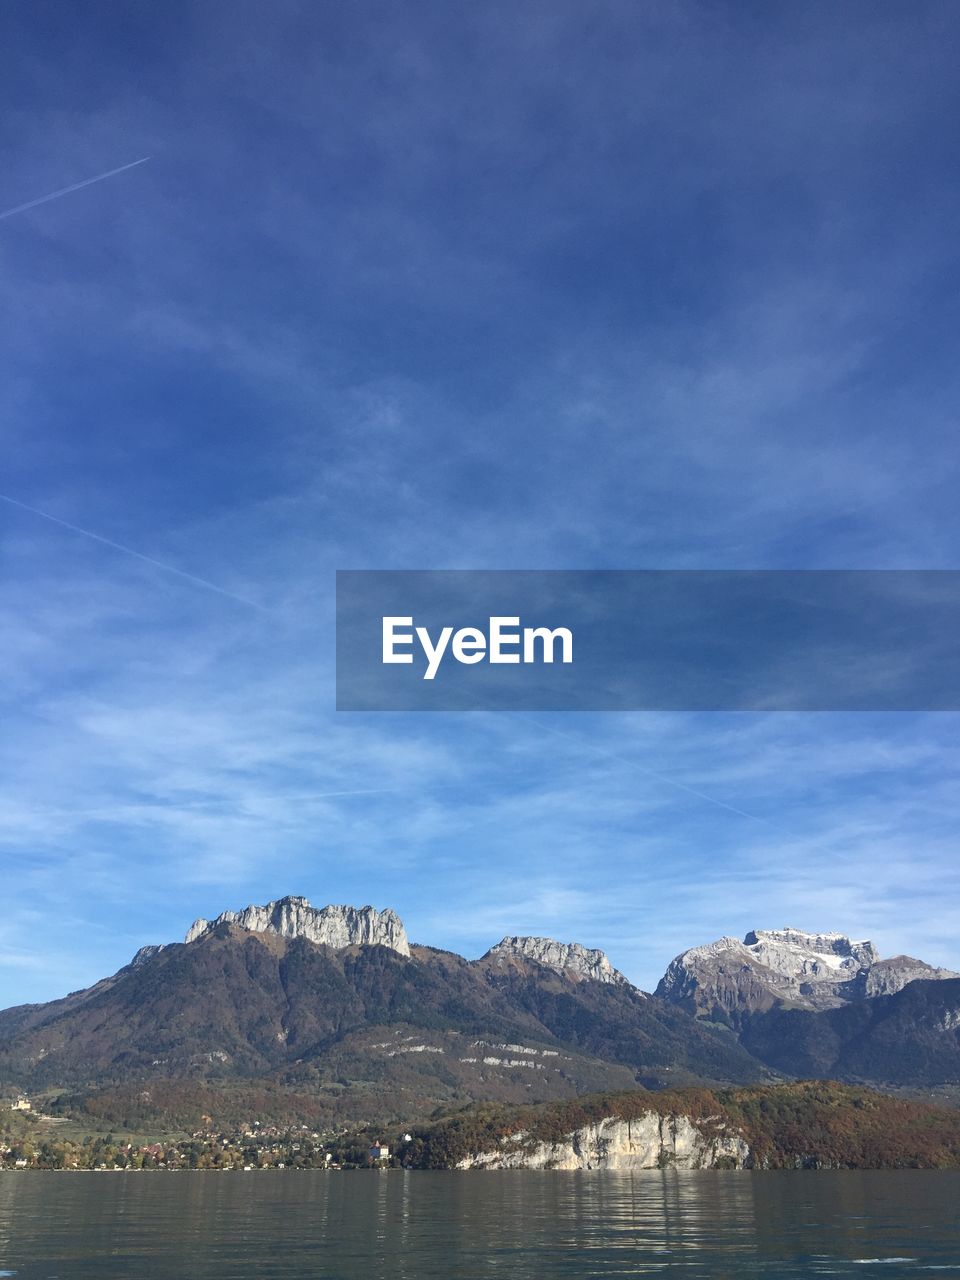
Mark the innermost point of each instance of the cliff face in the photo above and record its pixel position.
(732, 980)
(563, 957)
(650, 1142)
(805, 1125)
(294, 917)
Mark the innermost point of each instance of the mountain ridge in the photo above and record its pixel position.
(334, 1006)
(729, 980)
(365, 1028)
(564, 957)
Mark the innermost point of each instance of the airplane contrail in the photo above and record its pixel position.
(137, 555)
(75, 186)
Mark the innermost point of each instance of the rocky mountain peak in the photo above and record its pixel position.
(331, 926)
(787, 948)
(564, 957)
(729, 979)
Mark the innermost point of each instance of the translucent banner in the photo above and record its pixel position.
(661, 640)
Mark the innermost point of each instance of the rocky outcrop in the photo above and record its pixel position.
(889, 976)
(294, 917)
(564, 957)
(731, 980)
(650, 1142)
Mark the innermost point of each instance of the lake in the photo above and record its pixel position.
(412, 1226)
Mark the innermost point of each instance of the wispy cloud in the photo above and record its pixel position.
(547, 289)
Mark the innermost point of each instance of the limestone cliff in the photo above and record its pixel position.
(564, 957)
(651, 1141)
(332, 926)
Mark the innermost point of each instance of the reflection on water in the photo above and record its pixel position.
(414, 1226)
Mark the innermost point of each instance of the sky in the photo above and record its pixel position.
(537, 285)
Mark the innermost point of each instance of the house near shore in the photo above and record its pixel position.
(379, 1151)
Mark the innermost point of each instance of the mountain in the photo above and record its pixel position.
(563, 957)
(728, 981)
(332, 1014)
(294, 917)
(910, 1038)
(359, 1027)
(821, 1005)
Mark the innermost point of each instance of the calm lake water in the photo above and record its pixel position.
(412, 1226)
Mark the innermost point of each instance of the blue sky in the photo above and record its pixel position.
(536, 285)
